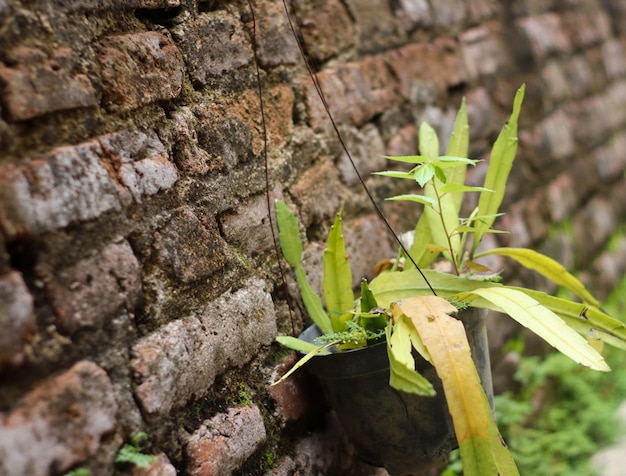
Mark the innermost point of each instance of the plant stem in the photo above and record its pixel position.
(445, 229)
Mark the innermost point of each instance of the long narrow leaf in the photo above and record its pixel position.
(447, 344)
(288, 234)
(500, 163)
(545, 323)
(546, 266)
(459, 147)
(312, 353)
(402, 373)
(312, 302)
(337, 284)
(419, 250)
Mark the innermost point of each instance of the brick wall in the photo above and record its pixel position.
(138, 285)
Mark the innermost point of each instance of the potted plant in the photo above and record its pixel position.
(405, 314)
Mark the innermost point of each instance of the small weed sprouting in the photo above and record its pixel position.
(132, 453)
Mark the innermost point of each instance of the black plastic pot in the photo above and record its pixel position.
(405, 433)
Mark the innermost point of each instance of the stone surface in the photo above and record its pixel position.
(59, 424)
(141, 164)
(138, 69)
(546, 35)
(355, 92)
(482, 51)
(95, 289)
(188, 249)
(213, 44)
(35, 84)
(223, 443)
(17, 318)
(182, 358)
(66, 186)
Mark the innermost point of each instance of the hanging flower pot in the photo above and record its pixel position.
(404, 432)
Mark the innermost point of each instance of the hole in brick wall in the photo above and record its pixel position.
(212, 5)
(160, 16)
(23, 257)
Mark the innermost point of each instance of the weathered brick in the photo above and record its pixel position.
(553, 139)
(141, 163)
(438, 63)
(91, 5)
(614, 59)
(593, 225)
(34, 84)
(188, 249)
(586, 26)
(610, 159)
(138, 69)
(587, 130)
(223, 443)
(479, 10)
(482, 50)
(76, 183)
(95, 289)
(248, 228)
(319, 194)
(296, 396)
(545, 34)
(182, 359)
(562, 198)
(556, 80)
(275, 39)
(377, 27)
(413, 14)
(326, 28)
(58, 424)
(68, 185)
(355, 92)
(366, 149)
(580, 76)
(17, 318)
(213, 44)
(449, 13)
(160, 467)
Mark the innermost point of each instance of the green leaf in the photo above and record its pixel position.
(428, 141)
(409, 159)
(402, 373)
(424, 174)
(419, 250)
(411, 197)
(312, 302)
(458, 146)
(337, 282)
(288, 234)
(455, 187)
(396, 174)
(500, 163)
(312, 353)
(543, 322)
(440, 174)
(546, 266)
(368, 301)
(298, 344)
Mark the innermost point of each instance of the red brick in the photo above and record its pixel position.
(377, 27)
(214, 44)
(546, 35)
(72, 184)
(483, 51)
(248, 228)
(35, 84)
(277, 45)
(90, 293)
(17, 318)
(160, 467)
(223, 443)
(141, 164)
(138, 69)
(319, 194)
(181, 360)
(58, 424)
(187, 249)
(327, 28)
(68, 185)
(355, 92)
(367, 150)
(438, 63)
